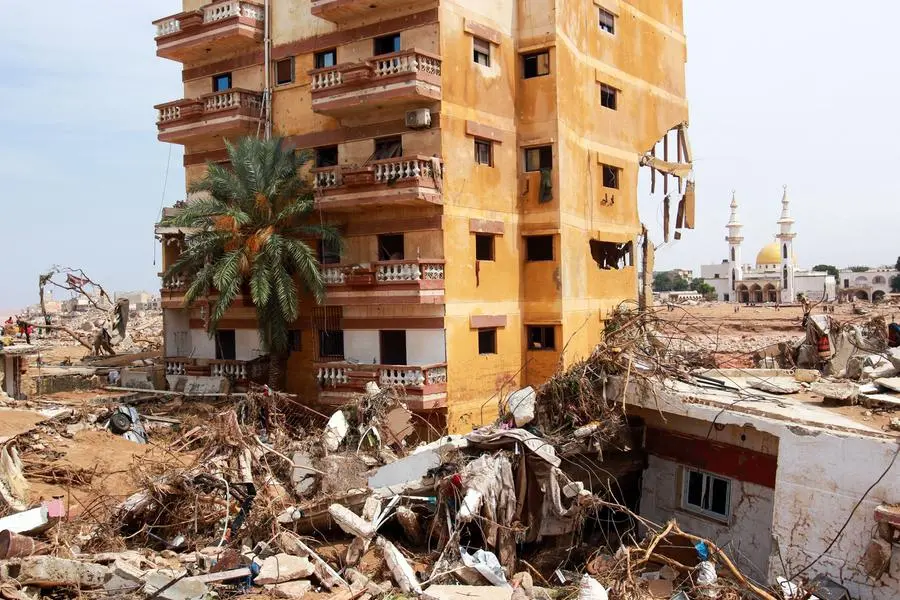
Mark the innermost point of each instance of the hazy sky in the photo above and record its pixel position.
(797, 92)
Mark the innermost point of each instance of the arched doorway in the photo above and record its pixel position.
(771, 294)
(756, 294)
(877, 296)
(743, 294)
(861, 295)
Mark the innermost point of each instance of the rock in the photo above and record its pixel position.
(844, 392)
(183, 589)
(781, 387)
(283, 567)
(806, 375)
(293, 590)
(48, 571)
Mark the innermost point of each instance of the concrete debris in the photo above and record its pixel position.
(335, 431)
(466, 592)
(169, 586)
(283, 567)
(50, 572)
(291, 590)
(845, 391)
(782, 387)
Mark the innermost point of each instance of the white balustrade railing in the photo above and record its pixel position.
(168, 27)
(325, 79)
(334, 275)
(169, 113)
(328, 178)
(230, 369)
(402, 168)
(433, 271)
(408, 271)
(435, 375)
(410, 62)
(403, 375)
(177, 366)
(333, 374)
(176, 282)
(232, 8)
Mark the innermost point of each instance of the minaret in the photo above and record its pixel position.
(734, 239)
(785, 239)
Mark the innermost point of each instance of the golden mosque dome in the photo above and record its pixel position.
(771, 255)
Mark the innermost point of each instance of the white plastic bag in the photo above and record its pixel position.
(707, 578)
(591, 589)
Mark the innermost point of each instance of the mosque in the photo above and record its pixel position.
(775, 277)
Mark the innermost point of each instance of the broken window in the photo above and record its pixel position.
(608, 96)
(221, 82)
(536, 64)
(390, 246)
(484, 152)
(484, 246)
(541, 337)
(226, 344)
(327, 156)
(481, 51)
(706, 494)
(326, 58)
(284, 71)
(538, 158)
(331, 344)
(610, 255)
(329, 252)
(294, 344)
(538, 248)
(607, 21)
(387, 44)
(611, 176)
(388, 147)
(487, 341)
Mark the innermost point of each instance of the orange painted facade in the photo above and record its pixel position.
(479, 264)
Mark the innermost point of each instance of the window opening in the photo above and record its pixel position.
(487, 341)
(536, 64)
(607, 21)
(609, 96)
(226, 344)
(611, 176)
(389, 147)
(481, 51)
(484, 151)
(222, 82)
(610, 255)
(393, 346)
(331, 343)
(484, 246)
(387, 44)
(538, 158)
(329, 252)
(706, 494)
(327, 156)
(541, 337)
(326, 58)
(390, 246)
(284, 71)
(538, 248)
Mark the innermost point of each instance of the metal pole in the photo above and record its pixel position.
(267, 45)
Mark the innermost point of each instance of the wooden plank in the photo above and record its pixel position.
(666, 203)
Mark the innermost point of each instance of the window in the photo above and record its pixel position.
(387, 44)
(329, 252)
(484, 152)
(326, 58)
(539, 158)
(482, 51)
(484, 246)
(608, 96)
(706, 494)
(331, 343)
(846, 283)
(284, 71)
(611, 176)
(536, 64)
(610, 255)
(726, 297)
(390, 246)
(389, 147)
(327, 156)
(226, 344)
(221, 82)
(487, 341)
(392, 344)
(607, 21)
(538, 247)
(294, 342)
(541, 337)
(784, 251)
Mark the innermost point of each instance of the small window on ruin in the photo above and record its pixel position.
(539, 158)
(388, 147)
(326, 156)
(325, 58)
(609, 96)
(481, 51)
(284, 71)
(386, 44)
(611, 176)
(487, 341)
(607, 21)
(331, 344)
(329, 252)
(484, 246)
(610, 255)
(221, 82)
(536, 64)
(538, 248)
(706, 494)
(541, 337)
(484, 152)
(390, 246)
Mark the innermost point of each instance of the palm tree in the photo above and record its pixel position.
(247, 233)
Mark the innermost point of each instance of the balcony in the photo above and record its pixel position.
(419, 281)
(220, 28)
(172, 293)
(340, 11)
(230, 114)
(426, 385)
(406, 79)
(239, 372)
(403, 181)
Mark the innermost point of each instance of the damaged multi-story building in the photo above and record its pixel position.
(480, 159)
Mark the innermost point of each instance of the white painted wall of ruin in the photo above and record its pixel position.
(425, 346)
(362, 345)
(745, 537)
(247, 344)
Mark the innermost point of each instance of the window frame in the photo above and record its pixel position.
(608, 26)
(327, 254)
(706, 487)
(290, 61)
(542, 153)
(319, 58)
(393, 237)
(528, 250)
(616, 174)
(323, 333)
(215, 78)
(484, 143)
(491, 241)
(490, 334)
(317, 160)
(608, 91)
(543, 329)
(386, 142)
(535, 55)
(483, 52)
(397, 47)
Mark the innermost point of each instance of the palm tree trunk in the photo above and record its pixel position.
(278, 370)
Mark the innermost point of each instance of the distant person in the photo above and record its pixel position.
(23, 330)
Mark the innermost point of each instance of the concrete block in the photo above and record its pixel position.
(292, 590)
(283, 567)
(806, 375)
(183, 589)
(140, 380)
(126, 578)
(49, 571)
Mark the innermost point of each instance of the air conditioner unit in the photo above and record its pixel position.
(418, 119)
